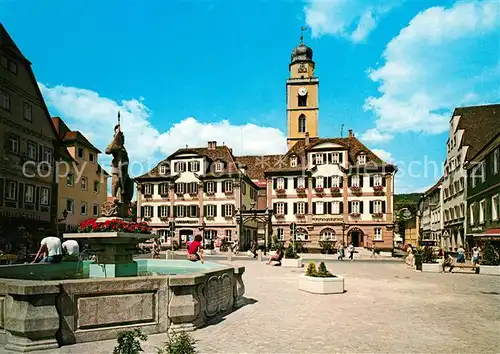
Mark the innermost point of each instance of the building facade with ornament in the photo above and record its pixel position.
(333, 189)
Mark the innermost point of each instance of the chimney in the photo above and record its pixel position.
(212, 145)
(350, 133)
(307, 138)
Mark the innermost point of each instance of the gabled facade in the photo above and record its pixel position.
(201, 189)
(334, 190)
(430, 214)
(28, 190)
(483, 180)
(82, 182)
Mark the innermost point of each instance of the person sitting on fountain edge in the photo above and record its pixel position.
(51, 248)
(195, 252)
(71, 250)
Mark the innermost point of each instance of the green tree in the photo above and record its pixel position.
(129, 342)
(490, 255)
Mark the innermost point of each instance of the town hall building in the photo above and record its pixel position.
(333, 189)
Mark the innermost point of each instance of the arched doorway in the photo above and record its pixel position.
(301, 234)
(355, 236)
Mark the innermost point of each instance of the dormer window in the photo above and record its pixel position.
(180, 167)
(318, 159)
(293, 161)
(219, 166)
(163, 169)
(361, 159)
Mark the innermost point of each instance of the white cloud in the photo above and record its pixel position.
(386, 156)
(94, 115)
(375, 136)
(444, 58)
(345, 18)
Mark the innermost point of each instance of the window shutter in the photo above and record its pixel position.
(215, 186)
(1, 190)
(168, 210)
(371, 181)
(349, 181)
(37, 198)
(142, 189)
(286, 208)
(223, 210)
(275, 208)
(40, 153)
(215, 210)
(286, 182)
(371, 205)
(232, 209)
(306, 208)
(294, 208)
(361, 206)
(142, 211)
(188, 166)
(341, 181)
(383, 206)
(341, 208)
(341, 155)
(314, 159)
(329, 207)
(314, 182)
(159, 210)
(176, 188)
(294, 182)
(349, 207)
(361, 180)
(205, 210)
(275, 183)
(205, 188)
(329, 158)
(314, 208)
(20, 195)
(383, 181)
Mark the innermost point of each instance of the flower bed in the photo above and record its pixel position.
(320, 281)
(113, 225)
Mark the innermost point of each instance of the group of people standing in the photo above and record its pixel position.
(341, 250)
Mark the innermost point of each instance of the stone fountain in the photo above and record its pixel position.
(45, 306)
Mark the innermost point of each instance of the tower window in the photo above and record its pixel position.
(302, 123)
(302, 101)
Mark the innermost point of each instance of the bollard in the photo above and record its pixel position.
(230, 256)
(259, 255)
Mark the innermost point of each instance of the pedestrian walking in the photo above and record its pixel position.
(475, 257)
(374, 252)
(254, 247)
(350, 249)
(341, 252)
(461, 254)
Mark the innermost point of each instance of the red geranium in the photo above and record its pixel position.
(113, 225)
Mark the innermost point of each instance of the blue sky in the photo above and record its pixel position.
(185, 72)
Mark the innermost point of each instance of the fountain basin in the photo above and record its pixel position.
(174, 295)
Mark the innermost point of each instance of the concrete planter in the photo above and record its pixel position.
(489, 270)
(292, 263)
(432, 267)
(314, 285)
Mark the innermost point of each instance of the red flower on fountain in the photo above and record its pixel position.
(114, 225)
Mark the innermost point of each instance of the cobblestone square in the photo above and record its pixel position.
(387, 308)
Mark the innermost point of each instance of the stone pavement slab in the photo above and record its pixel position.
(387, 308)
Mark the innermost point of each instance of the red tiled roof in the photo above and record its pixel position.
(480, 124)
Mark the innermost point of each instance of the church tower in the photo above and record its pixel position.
(301, 96)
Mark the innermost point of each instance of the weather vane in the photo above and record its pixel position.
(302, 29)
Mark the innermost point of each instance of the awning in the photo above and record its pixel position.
(493, 234)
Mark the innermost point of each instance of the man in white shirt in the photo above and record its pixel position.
(71, 250)
(51, 248)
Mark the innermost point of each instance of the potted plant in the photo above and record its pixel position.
(491, 260)
(355, 215)
(320, 280)
(429, 263)
(280, 190)
(210, 193)
(291, 258)
(319, 190)
(300, 190)
(378, 188)
(178, 343)
(356, 189)
(377, 215)
(300, 216)
(129, 342)
(280, 216)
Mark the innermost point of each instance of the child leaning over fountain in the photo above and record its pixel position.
(195, 252)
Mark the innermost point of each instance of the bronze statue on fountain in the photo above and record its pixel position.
(122, 186)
